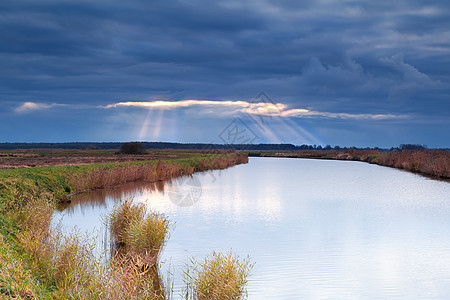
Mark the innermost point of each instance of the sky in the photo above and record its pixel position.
(348, 73)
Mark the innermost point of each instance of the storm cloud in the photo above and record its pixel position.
(340, 58)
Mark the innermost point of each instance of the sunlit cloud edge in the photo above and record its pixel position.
(253, 108)
(236, 106)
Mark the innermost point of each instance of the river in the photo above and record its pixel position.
(312, 228)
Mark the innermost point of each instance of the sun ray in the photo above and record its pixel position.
(143, 131)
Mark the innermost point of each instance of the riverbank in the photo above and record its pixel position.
(38, 262)
(430, 163)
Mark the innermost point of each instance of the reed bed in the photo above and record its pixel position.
(432, 163)
(150, 172)
(350, 154)
(108, 177)
(218, 276)
(428, 162)
(220, 162)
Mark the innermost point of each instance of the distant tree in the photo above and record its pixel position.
(412, 147)
(132, 148)
(90, 147)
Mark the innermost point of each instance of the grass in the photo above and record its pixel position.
(38, 262)
(16, 281)
(218, 276)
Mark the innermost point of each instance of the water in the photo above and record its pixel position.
(312, 228)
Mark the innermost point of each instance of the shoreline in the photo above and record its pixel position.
(405, 162)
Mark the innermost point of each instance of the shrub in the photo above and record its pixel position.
(132, 148)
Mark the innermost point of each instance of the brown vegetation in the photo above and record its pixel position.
(221, 162)
(162, 170)
(107, 177)
(432, 163)
(138, 233)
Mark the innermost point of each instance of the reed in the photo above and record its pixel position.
(108, 177)
(138, 233)
(434, 163)
(218, 276)
(130, 279)
(221, 161)
(66, 265)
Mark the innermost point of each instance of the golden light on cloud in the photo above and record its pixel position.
(258, 108)
(182, 103)
(251, 108)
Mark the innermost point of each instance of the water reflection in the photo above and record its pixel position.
(315, 229)
(98, 198)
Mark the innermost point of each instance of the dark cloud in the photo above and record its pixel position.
(338, 56)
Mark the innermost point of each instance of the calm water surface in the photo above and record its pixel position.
(313, 228)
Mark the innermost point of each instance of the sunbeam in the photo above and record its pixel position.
(143, 131)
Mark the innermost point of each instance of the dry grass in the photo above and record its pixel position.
(138, 233)
(66, 263)
(433, 163)
(428, 162)
(350, 154)
(108, 177)
(131, 278)
(138, 236)
(221, 162)
(219, 276)
(69, 266)
(151, 172)
(16, 282)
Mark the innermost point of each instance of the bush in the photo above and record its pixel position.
(132, 148)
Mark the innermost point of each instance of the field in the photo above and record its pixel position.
(61, 157)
